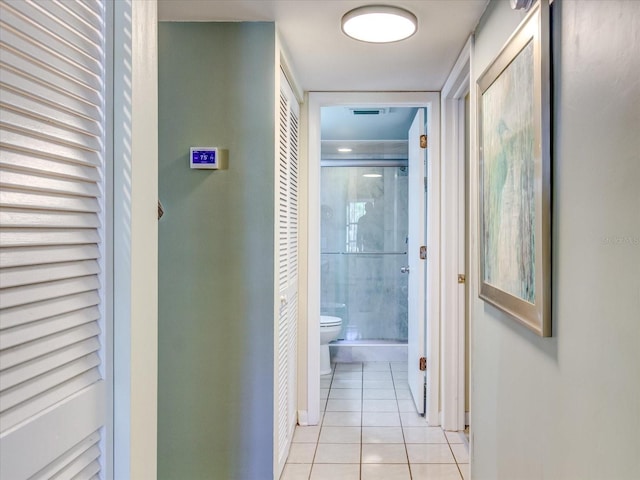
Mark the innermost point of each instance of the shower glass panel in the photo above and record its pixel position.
(363, 247)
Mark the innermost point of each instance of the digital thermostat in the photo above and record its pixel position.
(204, 157)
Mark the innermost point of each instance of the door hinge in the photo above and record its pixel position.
(423, 141)
(423, 364)
(462, 278)
(423, 252)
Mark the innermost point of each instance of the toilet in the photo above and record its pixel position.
(329, 330)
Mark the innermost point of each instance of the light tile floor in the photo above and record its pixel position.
(370, 430)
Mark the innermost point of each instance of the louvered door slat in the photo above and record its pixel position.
(45, 36)
(23, 163)
(12, 337)
(282, 376)
(9, 99)
(293, 197)
(58, 305)
(68, 457)
(48, 184)
(39, 365)
(83, 467)
(43, 346)
(69, 27)
(34, 124)
(48, 202)
(44, 219)
(292, 367)
(30, 408)
(48, 58)
(32, 274)
(12, 297)
(42, 383)
(20, 256)
(13, 139)
(89, 472)
(89, 11)
(17, 237)
(38, 86)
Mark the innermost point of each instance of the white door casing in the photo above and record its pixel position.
(310, 376)
(417, 265)
(453, 243)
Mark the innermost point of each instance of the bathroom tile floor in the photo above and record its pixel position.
(370, 430)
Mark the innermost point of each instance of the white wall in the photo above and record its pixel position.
(568, 407)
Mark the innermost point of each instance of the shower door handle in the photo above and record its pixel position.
(404, 269)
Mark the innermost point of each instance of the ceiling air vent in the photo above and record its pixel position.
(369, 111)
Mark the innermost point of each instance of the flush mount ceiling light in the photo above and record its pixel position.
(379, 24)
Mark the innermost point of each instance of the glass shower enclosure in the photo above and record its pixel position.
(364, 221)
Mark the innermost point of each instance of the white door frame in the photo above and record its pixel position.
(135, 240)
(454, 91)
(311, 360)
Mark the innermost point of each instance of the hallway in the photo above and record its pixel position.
(369, 431)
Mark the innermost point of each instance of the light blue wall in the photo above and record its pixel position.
(568, 407)
(216, 241)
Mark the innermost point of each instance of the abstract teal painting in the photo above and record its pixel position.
(508, 180)
(514, 175)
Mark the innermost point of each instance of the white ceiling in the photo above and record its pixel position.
(324, 59)
(340, 123)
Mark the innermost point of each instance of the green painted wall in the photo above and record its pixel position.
(567, 407)
(215, 384)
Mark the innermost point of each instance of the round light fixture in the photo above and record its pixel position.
(379, 24)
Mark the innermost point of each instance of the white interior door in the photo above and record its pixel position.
(53, 327)
(417, 217)
(286, 334)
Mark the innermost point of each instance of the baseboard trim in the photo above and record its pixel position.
(303, 418)
(368, 352)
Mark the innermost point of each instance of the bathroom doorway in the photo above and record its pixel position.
(330, 257)
(364, 230)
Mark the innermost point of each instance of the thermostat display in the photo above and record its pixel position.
(204, 157)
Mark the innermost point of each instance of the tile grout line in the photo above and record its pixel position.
(455, 459)
(452, 454)
(326, 403)
(404, 440)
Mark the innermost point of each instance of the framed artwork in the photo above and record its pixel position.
(515, 177)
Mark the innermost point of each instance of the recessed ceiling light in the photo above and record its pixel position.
(344, 150)
(372, 175)
(379, 24)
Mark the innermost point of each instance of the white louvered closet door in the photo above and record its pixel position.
(52, 169)
(287, 271)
